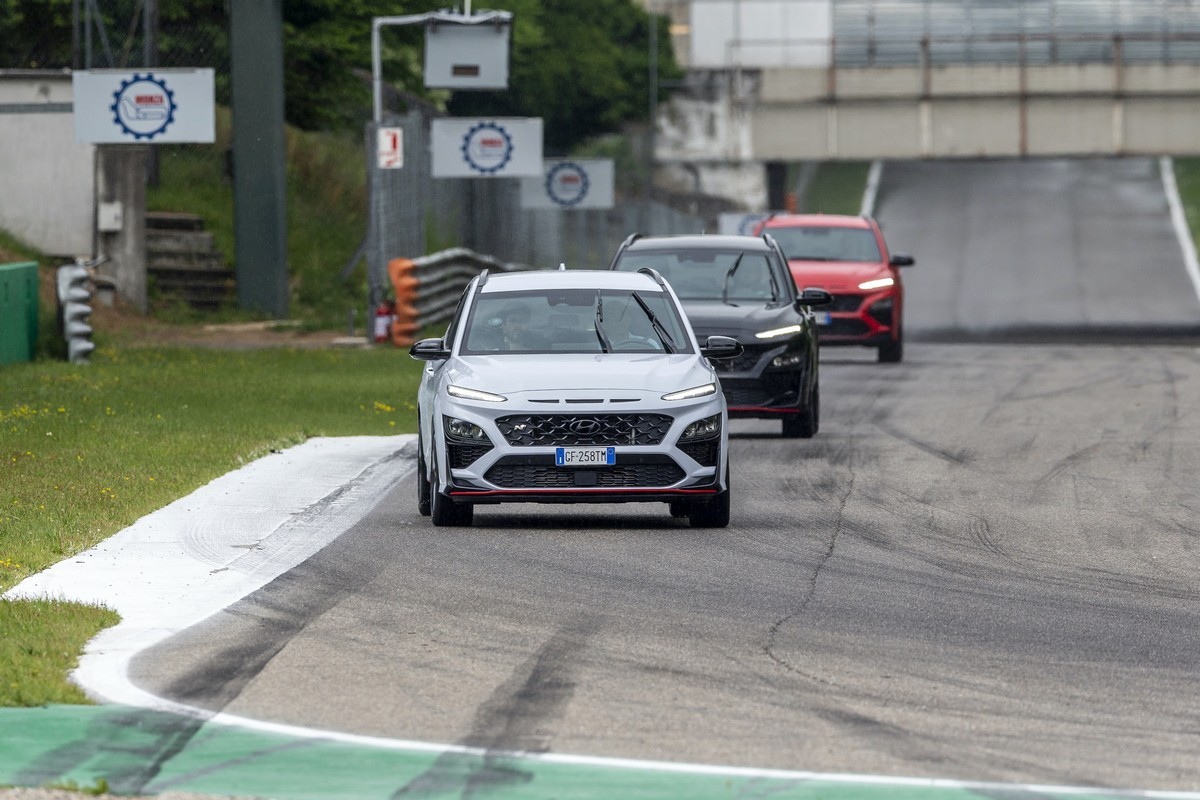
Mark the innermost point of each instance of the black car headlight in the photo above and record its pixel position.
(788, 360)
(701, 429)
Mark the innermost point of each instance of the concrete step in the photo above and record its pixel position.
(173, 221)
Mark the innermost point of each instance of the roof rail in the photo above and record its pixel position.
(653, 273)
(483, 276)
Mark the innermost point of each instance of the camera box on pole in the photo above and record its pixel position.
(467, 51)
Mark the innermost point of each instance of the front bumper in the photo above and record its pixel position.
(517, 462)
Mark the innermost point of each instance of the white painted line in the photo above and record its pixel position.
(869, 194)
(183, 563)
(1179, 221)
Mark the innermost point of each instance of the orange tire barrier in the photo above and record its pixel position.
(404, 287)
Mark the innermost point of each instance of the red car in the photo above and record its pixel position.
(847, 257)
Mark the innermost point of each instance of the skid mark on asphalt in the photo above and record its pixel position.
(516, 718)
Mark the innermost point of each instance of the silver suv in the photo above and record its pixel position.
(569, 386)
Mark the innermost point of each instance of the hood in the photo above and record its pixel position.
(835, 277)
(573, 374)
(712, 318)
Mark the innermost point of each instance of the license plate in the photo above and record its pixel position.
(823, 317)
(585, 456)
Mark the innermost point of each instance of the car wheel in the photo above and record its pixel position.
(804, 424)
(424, 493)
(714, 513)
(892, 352)
(679, 508)
(444, 511)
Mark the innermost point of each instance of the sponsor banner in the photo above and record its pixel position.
(570, 183)
(152, 106)
(487, 148)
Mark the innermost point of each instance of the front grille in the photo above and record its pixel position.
(464, 455)
(645, 472)
(774, 389)
(845, 327)
(568, 430)
(745, 362)
(844, 302)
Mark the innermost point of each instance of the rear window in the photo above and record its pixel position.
(827, 244)
(729, 275)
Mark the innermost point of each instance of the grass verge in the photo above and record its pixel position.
(86, 451)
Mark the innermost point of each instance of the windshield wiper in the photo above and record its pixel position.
(737, 262)
(667, 342)
(605, 344)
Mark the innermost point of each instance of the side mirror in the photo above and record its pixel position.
(900, 260)
(721, 347)
(813, 297)
(429, 350)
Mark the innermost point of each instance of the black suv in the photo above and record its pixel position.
(740, 286)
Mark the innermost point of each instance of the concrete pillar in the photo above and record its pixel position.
(121, 219)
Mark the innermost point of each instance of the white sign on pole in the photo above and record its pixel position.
(486, 148)
(390, 148)
(570, 183)
(157, 106)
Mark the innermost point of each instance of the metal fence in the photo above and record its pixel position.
(413, 214)
(906, 32)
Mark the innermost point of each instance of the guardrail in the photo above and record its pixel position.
(441, 279)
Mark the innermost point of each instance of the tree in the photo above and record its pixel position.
(582, 67)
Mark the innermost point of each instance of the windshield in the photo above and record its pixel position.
(827, 244)
(574, 321)
(730, 276)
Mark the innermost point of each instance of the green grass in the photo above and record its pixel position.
(837, 187)
(86, 451)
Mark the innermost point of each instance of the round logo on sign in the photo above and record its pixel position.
(567, 183)
(487, 147)
(143, 107)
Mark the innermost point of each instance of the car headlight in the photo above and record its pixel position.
(707, 428)
(464, 431)
(474, 394)
(774, 332)
(693, 393)
(788, 360)
(878, 283)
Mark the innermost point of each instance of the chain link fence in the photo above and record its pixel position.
(414, 214)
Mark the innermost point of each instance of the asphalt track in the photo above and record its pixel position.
(972, 448)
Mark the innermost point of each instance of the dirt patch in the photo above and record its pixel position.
(128, 328)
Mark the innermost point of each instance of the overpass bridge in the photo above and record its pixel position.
(772, 81)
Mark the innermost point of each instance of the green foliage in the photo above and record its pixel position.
(582, 67)
(327, 214)
(35, 34)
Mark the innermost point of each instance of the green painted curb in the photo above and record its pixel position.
(135, 751)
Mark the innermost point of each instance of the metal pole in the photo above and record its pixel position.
(652, 138)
